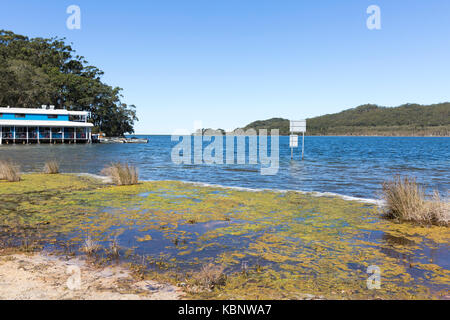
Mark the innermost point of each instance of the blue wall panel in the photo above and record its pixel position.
(40, 117)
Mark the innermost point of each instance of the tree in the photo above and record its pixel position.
(48, 71)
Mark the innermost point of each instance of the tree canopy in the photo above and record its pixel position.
(41, 71)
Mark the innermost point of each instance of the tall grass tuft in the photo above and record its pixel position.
(51, 167)
(114, 248)
(90, 246)
(405, 201)
(9, 171)
(122, 174)
(210, 276)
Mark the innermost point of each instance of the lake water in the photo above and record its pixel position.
(352, 166)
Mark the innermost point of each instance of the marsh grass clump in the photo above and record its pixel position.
(114, 248)
(140, 267)
(210, 276)
(405, 201)
(138, 271)
(122, 174)
(51, 167)
(440, 209)
(9, 171)
(90, 246)
(28, 245)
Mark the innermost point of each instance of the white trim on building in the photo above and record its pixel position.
(43, 111)
(39, 123)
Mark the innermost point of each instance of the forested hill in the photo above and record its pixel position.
(405, 120)
(38, 71)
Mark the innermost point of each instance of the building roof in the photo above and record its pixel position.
(38, 123)
(43, 111)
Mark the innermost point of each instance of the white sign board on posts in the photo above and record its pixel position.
(293, 141)
(298, 126)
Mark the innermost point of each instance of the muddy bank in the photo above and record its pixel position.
(45, 277)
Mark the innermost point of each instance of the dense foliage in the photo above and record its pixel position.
(408, 119)
(41, 71)
(274, 123)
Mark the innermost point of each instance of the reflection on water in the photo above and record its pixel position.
(354, 166)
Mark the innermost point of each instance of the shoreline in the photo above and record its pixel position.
(311, 193)
(107, 180)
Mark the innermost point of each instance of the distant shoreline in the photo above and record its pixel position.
(309, 135)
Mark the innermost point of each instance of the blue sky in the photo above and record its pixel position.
(229, 62)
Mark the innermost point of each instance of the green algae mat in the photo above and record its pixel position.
(272, 245)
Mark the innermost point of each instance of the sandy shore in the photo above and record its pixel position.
(42, 277)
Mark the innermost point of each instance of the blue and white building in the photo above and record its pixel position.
(45, 125)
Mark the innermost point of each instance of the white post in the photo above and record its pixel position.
(14, 134)
(50, 134)
(38, 134)
(62, 130)
(303, 145)
(290, 144)
(1, 135)
(75, 135)
(27, 134)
